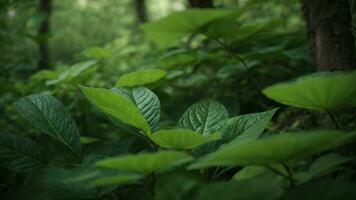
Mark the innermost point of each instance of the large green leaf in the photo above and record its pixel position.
(321, 91)
(21, 154)
(117, 106)
(203, 116)
(274, 149)
(141, 77)
(146, 101)
(180, 138)
(49, 115)
(146, 163)
(245, 126)
(179, 24)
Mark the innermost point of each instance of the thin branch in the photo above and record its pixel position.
(290, 174)
(334, 120)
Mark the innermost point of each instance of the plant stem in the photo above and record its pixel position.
(290, 175)
(243, 62)
(334, 120)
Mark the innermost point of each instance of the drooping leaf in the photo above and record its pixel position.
(146, 101)
(141, 77)
(323, 166)
(48, 115)
(146, 163)
(203, 116)
(180, 138)
(248, 189)
(21, 154)
(179, 24)
(247, 126)
(274, 149)
(323, 91)
(117, 106)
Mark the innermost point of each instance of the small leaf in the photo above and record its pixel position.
(141, 77)
(117, 106)
(179, 138)
(249, 172)
(146, 101)
(21, 154)
(48, 115)
(88, 140)
(323, 91)
(146, 163)
(274, 149)
(203, 116)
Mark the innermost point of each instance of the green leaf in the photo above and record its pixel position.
(49, 115)
(248, 189)
(141, 77)
(203, 116)
(323, 166)
(88, 140)
(320, 91)
(249, 172)
(274, 149)
(180, 138)
(146, 101)
(21, 154)
(117, 106)
(245, 126)
(119, 179)
(146, 163)
(179, 24)
(74, 72)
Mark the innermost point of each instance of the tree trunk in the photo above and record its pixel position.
(330, 33)
(201, 3)
(45, 7)
(140, 10)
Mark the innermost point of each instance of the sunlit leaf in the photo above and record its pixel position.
(146, 163)
(274, 149)
(141, 77)
(146, 101)
(117, 106)
(321, 91)
(49, 115)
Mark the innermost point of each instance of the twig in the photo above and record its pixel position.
(334, 120)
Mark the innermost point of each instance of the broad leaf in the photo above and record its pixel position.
(117, 106)
(141, 77)
(321, 91)
(146, 163)
(146, 101)
(247, 126)
(180, 138)
(49, 115)
(21, 154)
(179, 24)
(274, 149)
(203, 116)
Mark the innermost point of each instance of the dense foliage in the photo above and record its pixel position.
(201, 104)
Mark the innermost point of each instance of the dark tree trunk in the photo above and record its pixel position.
(330, 33)
(201, 3)
(140, 10)
(45, 7)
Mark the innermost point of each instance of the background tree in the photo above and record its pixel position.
(140, 11)
(45, 7)
(201, 3)
(330, 33)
